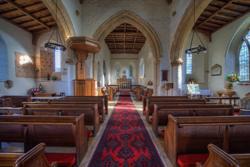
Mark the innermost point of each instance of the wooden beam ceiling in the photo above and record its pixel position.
(125, 39)
(220, 13)
(30, 15)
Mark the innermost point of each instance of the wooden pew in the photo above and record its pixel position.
(150, 106)
(160, 114)
(146, 100)
(91, 117)
(33, 158)
(10, 110)
(62, 105)
(102, 99)
(8, 159)
(185, 136)
(14, 101)
(244, 159)
(101, 106)
(219, 158)
(51, 130)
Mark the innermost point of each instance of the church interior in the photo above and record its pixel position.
(128, 83)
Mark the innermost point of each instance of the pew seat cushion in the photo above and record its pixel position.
(62, 159)
(190, 160)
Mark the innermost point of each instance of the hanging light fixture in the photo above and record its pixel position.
(58, 44)
(197, 49)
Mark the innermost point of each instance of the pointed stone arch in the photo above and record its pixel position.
(129, 17)
(64, 22)
(184, 28)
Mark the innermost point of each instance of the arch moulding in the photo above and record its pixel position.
(129, 17)
(184, 29)
(63, 20)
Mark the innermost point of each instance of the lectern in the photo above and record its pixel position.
(82, 47)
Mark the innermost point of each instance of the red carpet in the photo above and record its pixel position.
(125, 142)
(124, 92)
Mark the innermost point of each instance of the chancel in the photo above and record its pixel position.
(122, 83)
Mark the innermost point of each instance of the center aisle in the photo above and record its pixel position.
(125, 142)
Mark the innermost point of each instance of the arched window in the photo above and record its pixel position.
(3, 61)
(244, 56)
(142, 68)
(58, 60)
(130, 68)
(189, 59)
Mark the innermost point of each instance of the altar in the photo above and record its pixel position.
(124, 83)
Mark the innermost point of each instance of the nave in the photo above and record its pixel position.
(124, 83)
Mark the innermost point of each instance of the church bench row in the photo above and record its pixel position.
(35, 157)
(13, 101)
(92, 117)
(160, 116)
(66, 105)
(51, 130)
(187, 137)
(146, 100)
(101, 99)
(150, 105)
(219, 158)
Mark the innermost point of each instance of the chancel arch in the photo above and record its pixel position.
(131, 19)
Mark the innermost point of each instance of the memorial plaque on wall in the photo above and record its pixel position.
(25, 66)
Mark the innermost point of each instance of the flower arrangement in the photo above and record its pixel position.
(232, 78)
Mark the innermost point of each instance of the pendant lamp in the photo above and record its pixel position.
(57, 45)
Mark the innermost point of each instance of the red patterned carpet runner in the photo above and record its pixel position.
(125, 142)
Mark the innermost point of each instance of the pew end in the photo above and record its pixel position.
(34, 157)
(219, 158)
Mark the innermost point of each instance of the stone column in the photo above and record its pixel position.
(177, 76)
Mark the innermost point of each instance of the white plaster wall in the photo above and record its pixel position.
(178, 6)
(150, 72)
(124, 64)
(17, 40)
(103, 55)
(217, 54)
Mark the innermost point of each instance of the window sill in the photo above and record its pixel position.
(244, 83)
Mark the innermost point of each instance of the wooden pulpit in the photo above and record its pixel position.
(82, 47)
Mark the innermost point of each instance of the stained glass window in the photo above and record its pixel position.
(244, 58)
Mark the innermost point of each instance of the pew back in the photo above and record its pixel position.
(48, 129)
(160, 117)
(187, 135)
(150, 106)
(91, 117)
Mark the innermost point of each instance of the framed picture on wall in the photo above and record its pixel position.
(216, 70)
